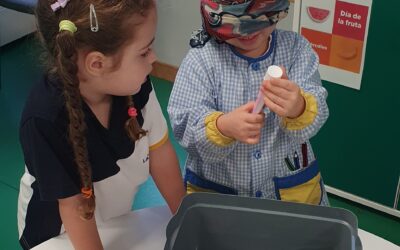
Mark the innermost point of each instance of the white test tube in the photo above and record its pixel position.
(273, 71)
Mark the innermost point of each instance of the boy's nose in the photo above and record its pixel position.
(152, 57)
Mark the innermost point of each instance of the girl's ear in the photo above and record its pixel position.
(96, 63)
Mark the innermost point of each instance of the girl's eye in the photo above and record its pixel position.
(145, 54)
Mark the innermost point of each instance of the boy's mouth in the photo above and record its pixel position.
(249, 37)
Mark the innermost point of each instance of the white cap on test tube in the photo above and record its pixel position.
(273, 72)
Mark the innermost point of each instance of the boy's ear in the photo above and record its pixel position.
(96, 63)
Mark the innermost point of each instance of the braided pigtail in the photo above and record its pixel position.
(66, 68)
(132, 127)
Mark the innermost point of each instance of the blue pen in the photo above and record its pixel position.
(296, 160)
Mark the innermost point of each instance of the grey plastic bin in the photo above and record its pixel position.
(208, 221)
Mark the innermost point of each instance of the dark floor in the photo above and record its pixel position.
(18, 66)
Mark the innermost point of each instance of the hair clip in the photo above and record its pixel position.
(87, 192)
(68, 26)
(59, 4)
(132, 112)
(93, 19)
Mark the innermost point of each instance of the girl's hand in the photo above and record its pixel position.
(241, 124)
(283, 97)
(82, 233)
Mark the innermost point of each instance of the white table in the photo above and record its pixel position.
(145, 230)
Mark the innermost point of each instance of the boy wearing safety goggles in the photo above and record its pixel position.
(230, 149)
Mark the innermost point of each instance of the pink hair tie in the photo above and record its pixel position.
(59, 4)
(132, 112)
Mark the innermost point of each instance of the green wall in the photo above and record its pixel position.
(359, 147)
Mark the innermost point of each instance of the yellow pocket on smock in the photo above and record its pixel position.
(190, 188)
(303, 187)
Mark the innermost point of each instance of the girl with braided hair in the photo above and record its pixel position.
(92, 129)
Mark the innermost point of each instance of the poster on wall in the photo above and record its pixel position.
(337, 31)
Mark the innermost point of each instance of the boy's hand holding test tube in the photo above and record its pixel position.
(272, 72)
(241, 124)
(280, 95)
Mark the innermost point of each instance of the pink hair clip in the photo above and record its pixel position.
(132, 112)
(59, 4)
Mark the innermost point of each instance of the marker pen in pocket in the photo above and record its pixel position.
(273, 71)
(296, 160)
(289, 164)
(305, 155)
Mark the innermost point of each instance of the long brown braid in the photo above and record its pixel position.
(115, 19)
(134, 130)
